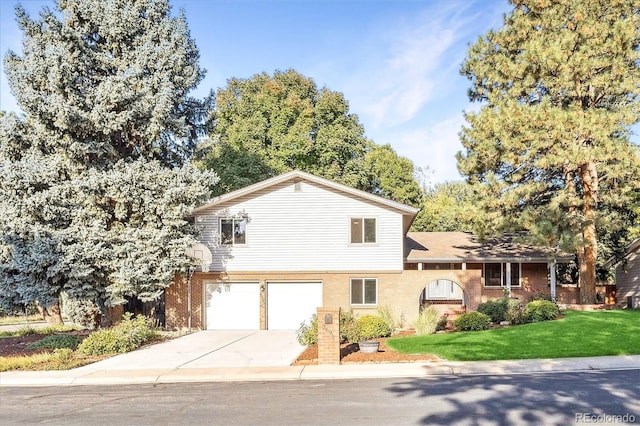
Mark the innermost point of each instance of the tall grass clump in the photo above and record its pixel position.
(427, 322)
(387, 316)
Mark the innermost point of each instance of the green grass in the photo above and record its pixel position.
(19, 319)
(59, 359)
(26, 331)
(578, 334)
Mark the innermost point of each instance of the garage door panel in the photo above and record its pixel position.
(233, 306)
(291, 303)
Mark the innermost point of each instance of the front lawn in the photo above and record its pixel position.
(578, 334)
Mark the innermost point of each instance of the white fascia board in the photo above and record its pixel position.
(305, 176)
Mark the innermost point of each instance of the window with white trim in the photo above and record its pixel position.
(364, 291)
(495, 274)
(363, 230)
(233, 231)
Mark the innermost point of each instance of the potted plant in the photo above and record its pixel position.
(370, 327)
(369, 346)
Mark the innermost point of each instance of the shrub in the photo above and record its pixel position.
(124, 337)
(307, 334)
(371, 326)
(516, 314)
(56, 341)
(495, 309)
(442, 322)
(472, 321)
(427, 322)
(541, 310)
(348, 328)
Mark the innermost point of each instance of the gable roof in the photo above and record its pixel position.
(465, 247)
(408, 212)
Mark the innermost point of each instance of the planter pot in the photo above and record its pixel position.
(369, 346)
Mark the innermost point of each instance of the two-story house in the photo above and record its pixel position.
(285, 246)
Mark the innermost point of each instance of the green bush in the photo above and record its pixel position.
(472, 321)
(496, 309)
(348, 328)
(427, 322)
(516, 314)
(307, 334)
(56, 341)
(541, 310)
(442, 322)
(130, 334)
(371, 326)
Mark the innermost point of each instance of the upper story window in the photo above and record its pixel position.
(495, 274)
(363, 230)
(233, 231)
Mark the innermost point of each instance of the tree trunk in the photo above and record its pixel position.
(589, 178)
(51, 314)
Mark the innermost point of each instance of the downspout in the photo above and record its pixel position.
(508, 277)
(552, 274)
(191, 271)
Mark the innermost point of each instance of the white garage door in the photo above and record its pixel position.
(233, 306)
(291, 303)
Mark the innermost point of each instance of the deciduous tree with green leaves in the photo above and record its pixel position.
(269, 124)
(447, 207)
(94, 187)
(549, 148)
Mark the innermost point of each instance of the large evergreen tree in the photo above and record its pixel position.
(549, 148)
(266, 125)
(93, 190)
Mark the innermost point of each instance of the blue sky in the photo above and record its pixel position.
(396, 62)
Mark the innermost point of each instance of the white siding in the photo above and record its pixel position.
(303, 230)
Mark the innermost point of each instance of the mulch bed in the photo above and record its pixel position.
(350, 353)
(17, 346)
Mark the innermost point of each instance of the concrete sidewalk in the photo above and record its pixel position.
(88, 376)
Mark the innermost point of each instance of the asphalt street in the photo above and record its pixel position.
(602, 397)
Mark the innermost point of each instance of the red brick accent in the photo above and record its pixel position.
(176, 307)
(329, 336)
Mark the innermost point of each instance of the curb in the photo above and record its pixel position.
(418, 370)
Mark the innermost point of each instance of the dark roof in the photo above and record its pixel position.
(465, 247)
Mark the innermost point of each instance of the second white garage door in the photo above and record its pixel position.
(233, 306)
(291, 303)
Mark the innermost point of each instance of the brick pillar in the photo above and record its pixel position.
(328, 336)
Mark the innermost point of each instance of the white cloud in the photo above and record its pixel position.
(433, 147)
(412, 57)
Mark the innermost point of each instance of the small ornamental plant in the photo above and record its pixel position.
(427, 321)
(472, 321)
(541, 310)
(307, 333)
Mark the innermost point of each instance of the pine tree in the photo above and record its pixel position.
(94, 186)
(549, 148)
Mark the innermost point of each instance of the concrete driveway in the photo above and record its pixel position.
(211, 349)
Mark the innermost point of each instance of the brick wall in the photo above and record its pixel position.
(399, 291)
(328, 336)
(176, 307)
